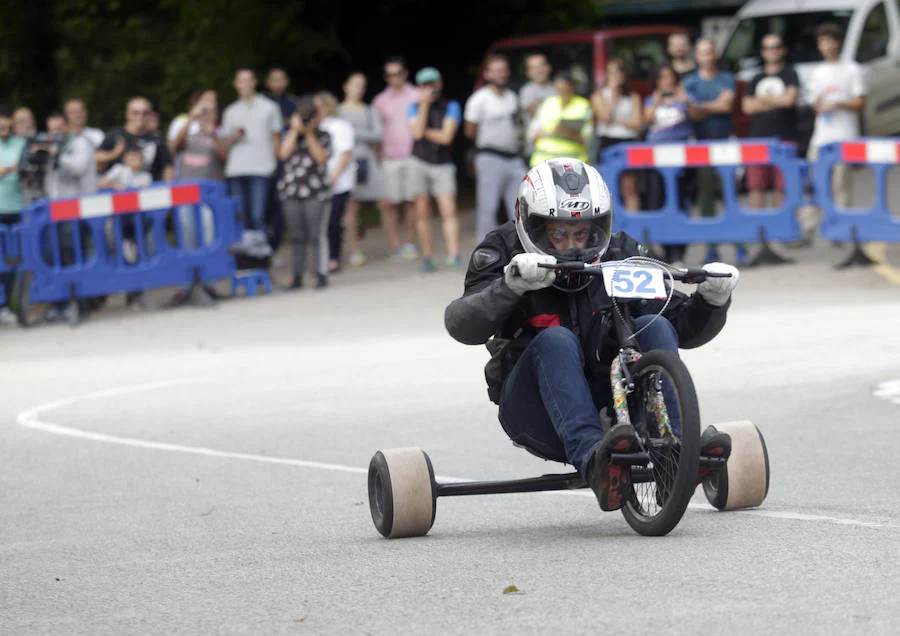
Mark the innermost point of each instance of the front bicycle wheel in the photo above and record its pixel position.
(666, 415)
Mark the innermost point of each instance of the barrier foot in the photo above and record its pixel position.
(766, 255)
(857, 256)
(196, 294)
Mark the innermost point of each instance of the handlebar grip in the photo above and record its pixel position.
(694, 275)
(514, 269)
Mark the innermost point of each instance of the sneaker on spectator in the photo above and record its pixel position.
(7, 317)
(409, 252)
(357, 259)
(428, 266)
(455, 263)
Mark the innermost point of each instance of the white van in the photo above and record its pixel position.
(871, 38)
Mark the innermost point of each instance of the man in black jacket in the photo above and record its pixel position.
(549, 336)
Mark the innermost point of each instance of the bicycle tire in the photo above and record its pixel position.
(674, 477)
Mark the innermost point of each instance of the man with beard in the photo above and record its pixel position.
(678, 46)
(491, 121)
(136, 132)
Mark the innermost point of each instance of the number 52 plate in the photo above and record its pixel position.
(633, 281)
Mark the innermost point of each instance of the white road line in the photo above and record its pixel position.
(29, 419)
(889, 391)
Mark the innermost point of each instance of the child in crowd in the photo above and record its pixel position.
(128, 174)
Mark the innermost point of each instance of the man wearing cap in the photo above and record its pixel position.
(434, 121)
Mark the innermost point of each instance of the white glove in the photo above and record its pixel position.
(717, 291)
(523, 274)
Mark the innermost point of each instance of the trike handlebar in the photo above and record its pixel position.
(690, 275)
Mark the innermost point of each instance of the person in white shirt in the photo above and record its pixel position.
(129, 173)
(341, 171)
(838, 92)
(491, 121)
(76, 118)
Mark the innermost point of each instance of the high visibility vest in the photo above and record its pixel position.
(551, 112)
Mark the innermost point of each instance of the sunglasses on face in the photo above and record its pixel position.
(557, 235)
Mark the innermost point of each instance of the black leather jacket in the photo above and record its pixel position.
(490, 313)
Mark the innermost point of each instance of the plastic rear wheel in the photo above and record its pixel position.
(661, 491)
(744, 481)
(402, 492)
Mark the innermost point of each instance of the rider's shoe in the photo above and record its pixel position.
(611, 483)
(713, 443)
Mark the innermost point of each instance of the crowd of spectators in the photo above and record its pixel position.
(302, 166)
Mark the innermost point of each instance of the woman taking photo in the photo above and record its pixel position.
(618, 118)
(666, 115)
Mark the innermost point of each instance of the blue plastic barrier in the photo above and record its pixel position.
(117, 242)
(10, 255)
(672, 225)
(875, 223)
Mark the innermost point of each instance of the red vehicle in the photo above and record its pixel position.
(585, 54)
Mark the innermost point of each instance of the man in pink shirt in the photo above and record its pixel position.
(392, 105)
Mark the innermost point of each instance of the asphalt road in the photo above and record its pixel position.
(202, 471)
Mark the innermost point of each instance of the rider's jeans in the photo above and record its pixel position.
(546, 402)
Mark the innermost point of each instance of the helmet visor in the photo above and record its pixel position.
(570, 239)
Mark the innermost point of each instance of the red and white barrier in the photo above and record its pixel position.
(153, 198)
(698, 155)
(871, 151)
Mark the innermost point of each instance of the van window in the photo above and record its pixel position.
(642, 54)
(873, 41)
(798, 30)
(575, 57)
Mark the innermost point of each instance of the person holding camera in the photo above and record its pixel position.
(73, 171)
(370, 183)
(305, 191)
(202, 153)
(666, 114)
